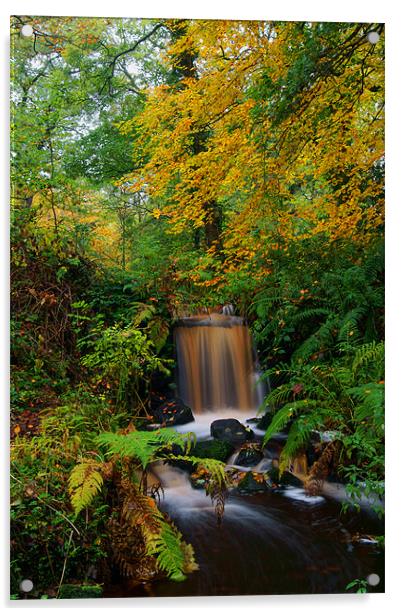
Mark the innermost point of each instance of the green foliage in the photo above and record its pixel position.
(169, 552)
(82, 591)
(322, 303)
(123, 356)
(358, 586)
(340, 398)
(161, 538)
(144, 447)
(88, 329)
(84, 483)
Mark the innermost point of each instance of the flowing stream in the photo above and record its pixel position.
(278, 542)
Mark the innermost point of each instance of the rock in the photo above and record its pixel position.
(253, 483)
(264, 421)
(230, 430)
(216, 449)
(288, 479)
(250, 454)
(172, 412)
(273, 448)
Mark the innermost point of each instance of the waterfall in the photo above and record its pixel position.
(215, 363)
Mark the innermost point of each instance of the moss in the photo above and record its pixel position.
(216, 449)
(80, 591)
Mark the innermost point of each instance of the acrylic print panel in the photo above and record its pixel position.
(197, 307)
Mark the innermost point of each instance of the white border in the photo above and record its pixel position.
(337, 10)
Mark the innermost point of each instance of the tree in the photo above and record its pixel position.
(273, 106)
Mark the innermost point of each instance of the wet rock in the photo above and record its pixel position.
(172, 412)
(264, 421)
(216, 449)
(254, 483)
(250, 454)
(230, 430)
(288, 479)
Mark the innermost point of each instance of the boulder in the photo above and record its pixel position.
(250, 454)
(218, 450)
(230, 430)
(214, 448)
(172, 412)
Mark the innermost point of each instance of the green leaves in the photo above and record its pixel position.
(124, 355)
(168, 549)
(84, 483)
(144, 446)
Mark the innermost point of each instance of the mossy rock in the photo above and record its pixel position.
(80, 591)
(216, 449)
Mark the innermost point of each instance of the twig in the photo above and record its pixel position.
(64, 565)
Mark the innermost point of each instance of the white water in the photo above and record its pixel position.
(183, 502)
(299, 494)
(201, 426)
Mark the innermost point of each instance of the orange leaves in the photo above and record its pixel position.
(281, 167)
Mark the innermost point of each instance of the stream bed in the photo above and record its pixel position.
(278, 542)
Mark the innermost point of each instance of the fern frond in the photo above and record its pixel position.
(349, 325)
(371, 404)
(161, 538)
(370, 353)
(278, 396)
(283, 416)
(310, 313)
(322, 338)
(300, 433)
(84, 483)
(215, 468)
(168, 549)
(144, 445)
(144, 312)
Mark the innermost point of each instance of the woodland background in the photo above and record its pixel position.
(161, 167)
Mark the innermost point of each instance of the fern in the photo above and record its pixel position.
(161, 538)
(84, 483)
(299, 434)
(167, 547)
(283, 416)
(322, 338)
(371, 404)
(310, 313)
(144, 446)
(217, 480)
(278, 396)
(367, 354)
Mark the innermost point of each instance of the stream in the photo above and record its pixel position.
(277, 542)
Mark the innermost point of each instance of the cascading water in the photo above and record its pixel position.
(215, 364)
(279, 542)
